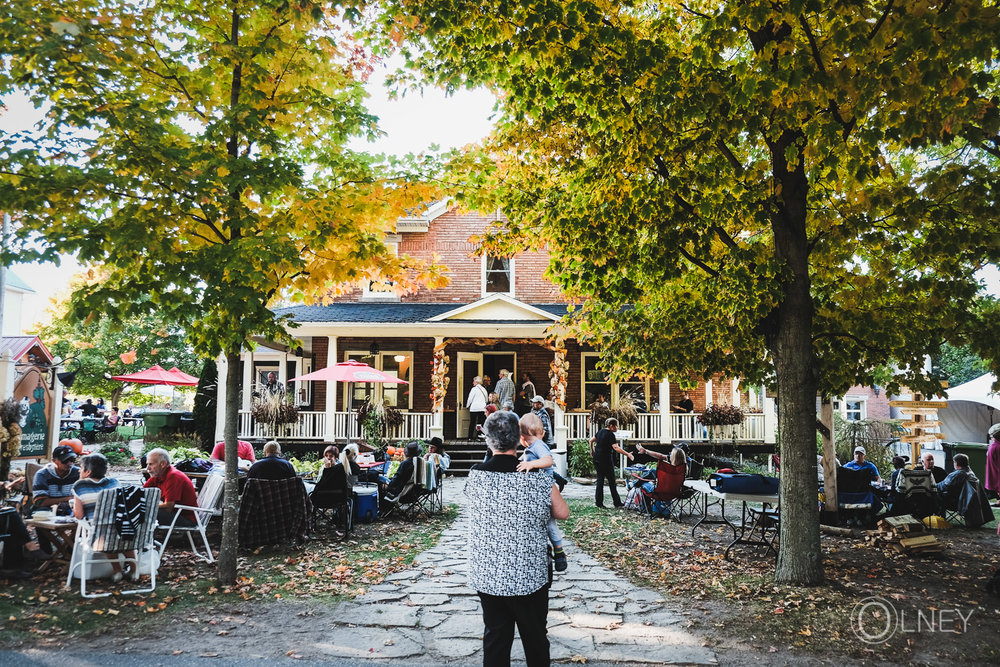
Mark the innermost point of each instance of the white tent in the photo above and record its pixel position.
(972, 408)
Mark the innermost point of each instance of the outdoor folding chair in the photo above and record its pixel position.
(968, 504)
(415, 498)
(855, 495)
(332, 501)
(99, 541)
(915, 493)
(209, 505)
(669, 486)
(23, 502)
(274, 511)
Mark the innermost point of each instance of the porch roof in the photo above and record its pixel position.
(395, 313)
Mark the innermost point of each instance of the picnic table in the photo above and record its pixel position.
(757, 527)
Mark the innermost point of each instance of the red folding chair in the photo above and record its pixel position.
(669, 487)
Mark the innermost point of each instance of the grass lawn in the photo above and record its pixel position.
(743, 609)
(41, 612)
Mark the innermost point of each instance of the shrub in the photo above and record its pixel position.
(721, 415)
(580, 462)
(117, 455)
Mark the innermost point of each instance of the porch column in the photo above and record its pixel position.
(666, 423)
(8, 374)
(770, 421)
(283, 371)
(437, 416)
(220, 399)
(560, 431)
(247, 361)
(330, 433)
(736, 392)
(709, 396)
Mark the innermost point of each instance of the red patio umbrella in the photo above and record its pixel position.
(157, 375)
(350, 371)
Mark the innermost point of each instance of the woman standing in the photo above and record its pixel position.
(508, 545)
(524, 394)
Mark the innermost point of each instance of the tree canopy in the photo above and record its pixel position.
(198, 152)
(794, 192)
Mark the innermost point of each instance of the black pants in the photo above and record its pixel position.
(475, 419)
(605, 467)
(14, 535)
(530, 613)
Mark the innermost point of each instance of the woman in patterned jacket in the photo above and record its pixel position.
(508, 545)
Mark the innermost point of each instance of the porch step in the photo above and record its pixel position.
(464, 454)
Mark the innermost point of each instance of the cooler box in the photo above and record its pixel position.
(365, 503)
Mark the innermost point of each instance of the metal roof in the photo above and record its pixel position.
(14, 282)
(21, 345)
(394, 313)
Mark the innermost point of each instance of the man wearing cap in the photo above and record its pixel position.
(53, 484)
(538, 408)
(859, 463)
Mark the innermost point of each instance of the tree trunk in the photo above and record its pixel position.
(790, 342)
(231, 495)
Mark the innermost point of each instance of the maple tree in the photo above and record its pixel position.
(197, 152)
(798, 193)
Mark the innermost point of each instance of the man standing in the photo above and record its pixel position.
(175, 489)
(273, 387)
(508, 541)
(602, 447)
(538, 408)
(272, 466)
(685, 405)
(476, 402)
(505, 388)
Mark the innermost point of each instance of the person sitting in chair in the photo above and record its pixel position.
(677, 457)
(436, 455)
(272, 466)
(175, 489)
(950, 488)
(859, 463)
(403, 473)
(937, 472)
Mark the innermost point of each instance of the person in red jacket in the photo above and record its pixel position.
(175, 489)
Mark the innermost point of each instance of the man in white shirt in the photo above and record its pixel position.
(476, 402)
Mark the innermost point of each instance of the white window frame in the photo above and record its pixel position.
(366, 291)
(482, 277)
(862, 408)
(377, 363)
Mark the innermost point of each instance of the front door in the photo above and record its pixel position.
(470, 364)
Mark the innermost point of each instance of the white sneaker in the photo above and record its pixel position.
(116, 578)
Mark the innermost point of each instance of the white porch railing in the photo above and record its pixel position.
(684, 427)
(312, 426)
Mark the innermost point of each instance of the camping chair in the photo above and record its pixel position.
(855, 495)
(274, 511)
(332, 501)
(416, 497)
(967, 504)
(209, 505)
(915, 493)
(99, 537)
(24, 501)
(88, 431)
(669, 486)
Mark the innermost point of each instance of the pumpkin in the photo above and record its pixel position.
(391, 451)
(76, 444)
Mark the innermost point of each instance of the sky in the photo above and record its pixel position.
(411, 125)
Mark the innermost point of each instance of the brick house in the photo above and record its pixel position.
(494, 314)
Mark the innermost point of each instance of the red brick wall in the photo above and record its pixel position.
(876, 407)
(448, 236)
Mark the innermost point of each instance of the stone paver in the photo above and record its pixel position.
(429, 615)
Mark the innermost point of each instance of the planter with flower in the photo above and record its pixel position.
(722, 421)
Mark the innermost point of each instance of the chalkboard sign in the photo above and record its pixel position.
(32, 392)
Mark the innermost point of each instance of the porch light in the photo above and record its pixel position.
(399, 358)
(373, 350)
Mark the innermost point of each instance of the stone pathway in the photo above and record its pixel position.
(429, 615)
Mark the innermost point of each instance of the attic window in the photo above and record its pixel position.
(498, 275)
